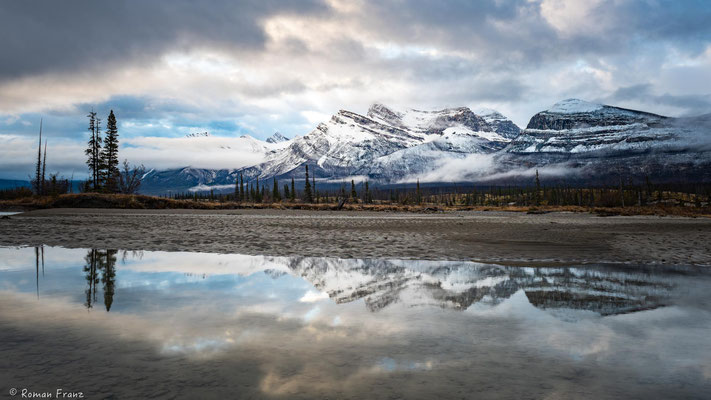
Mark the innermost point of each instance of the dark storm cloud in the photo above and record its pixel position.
(529, 37)
(692, 104)
(56, 36)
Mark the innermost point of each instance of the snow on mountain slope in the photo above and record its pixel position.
(575, 126)
(352, 144)
(277, 138)
(458, 144)
(599, 143)
(455, 143)
(574, 106)
(459, 285)
(499, 123)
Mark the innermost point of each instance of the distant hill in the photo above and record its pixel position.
(13, 183)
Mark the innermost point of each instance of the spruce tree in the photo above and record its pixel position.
(110, 154)
(276, 196)
(42, 184)
(308, 198)
(257, 196)
(38, 173)
(241, 187)
(537, 198)
(93, 150)
(418, 194)
(354, 195)
(287, 195)
(366, 194)
(293, 190)
(236, 188)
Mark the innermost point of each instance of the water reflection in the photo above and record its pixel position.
(602, 289)
(326, 327)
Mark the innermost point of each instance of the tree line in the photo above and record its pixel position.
(622, 194)
(105, 173)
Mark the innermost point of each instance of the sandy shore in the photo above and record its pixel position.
(485, 236)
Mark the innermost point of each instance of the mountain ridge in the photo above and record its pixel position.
(394, 145)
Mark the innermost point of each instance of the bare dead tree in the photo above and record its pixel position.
(130, 178)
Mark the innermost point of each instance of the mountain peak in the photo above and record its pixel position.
(574, 106)
(277, 138)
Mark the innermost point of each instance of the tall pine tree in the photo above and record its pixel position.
(308, 197)
(93, 151)
(354, 194)
(241, 187)
(43, 181)
(418, 193)
(293, 190)
(110, 154)
(366, 194)
(276, 196)
(313, 188)
(38, 173)
(537, 197)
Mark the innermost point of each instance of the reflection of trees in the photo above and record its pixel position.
(104, 262)
(39, 254)
(109, 278)
(135, 254)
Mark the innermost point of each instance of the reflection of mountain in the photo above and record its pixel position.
(602, 289)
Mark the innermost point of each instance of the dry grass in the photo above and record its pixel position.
(124, 201)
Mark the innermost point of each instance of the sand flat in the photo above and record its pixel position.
(504, 237)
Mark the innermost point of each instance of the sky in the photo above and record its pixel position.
(233, 67)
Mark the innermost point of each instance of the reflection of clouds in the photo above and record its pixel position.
(312, 296)
(315, 355)
(304, 343)
(204, 263)
(20, 258)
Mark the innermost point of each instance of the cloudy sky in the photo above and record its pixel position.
(254, 67)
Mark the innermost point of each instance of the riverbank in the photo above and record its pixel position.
(493, 236)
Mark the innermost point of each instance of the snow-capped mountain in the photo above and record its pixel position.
(575, 126)
(277, 138)
(387, 143)
(578, 140)
(596, 141)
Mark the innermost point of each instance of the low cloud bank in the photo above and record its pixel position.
(18, 154)
(484, 168)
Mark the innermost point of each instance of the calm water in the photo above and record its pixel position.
(191, 325)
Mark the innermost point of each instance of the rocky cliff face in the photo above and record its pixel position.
(574, 126)
(593, 142)
(386, 144)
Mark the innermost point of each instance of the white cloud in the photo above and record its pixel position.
(18, 153)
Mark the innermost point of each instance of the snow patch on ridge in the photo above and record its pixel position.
(574, 106)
